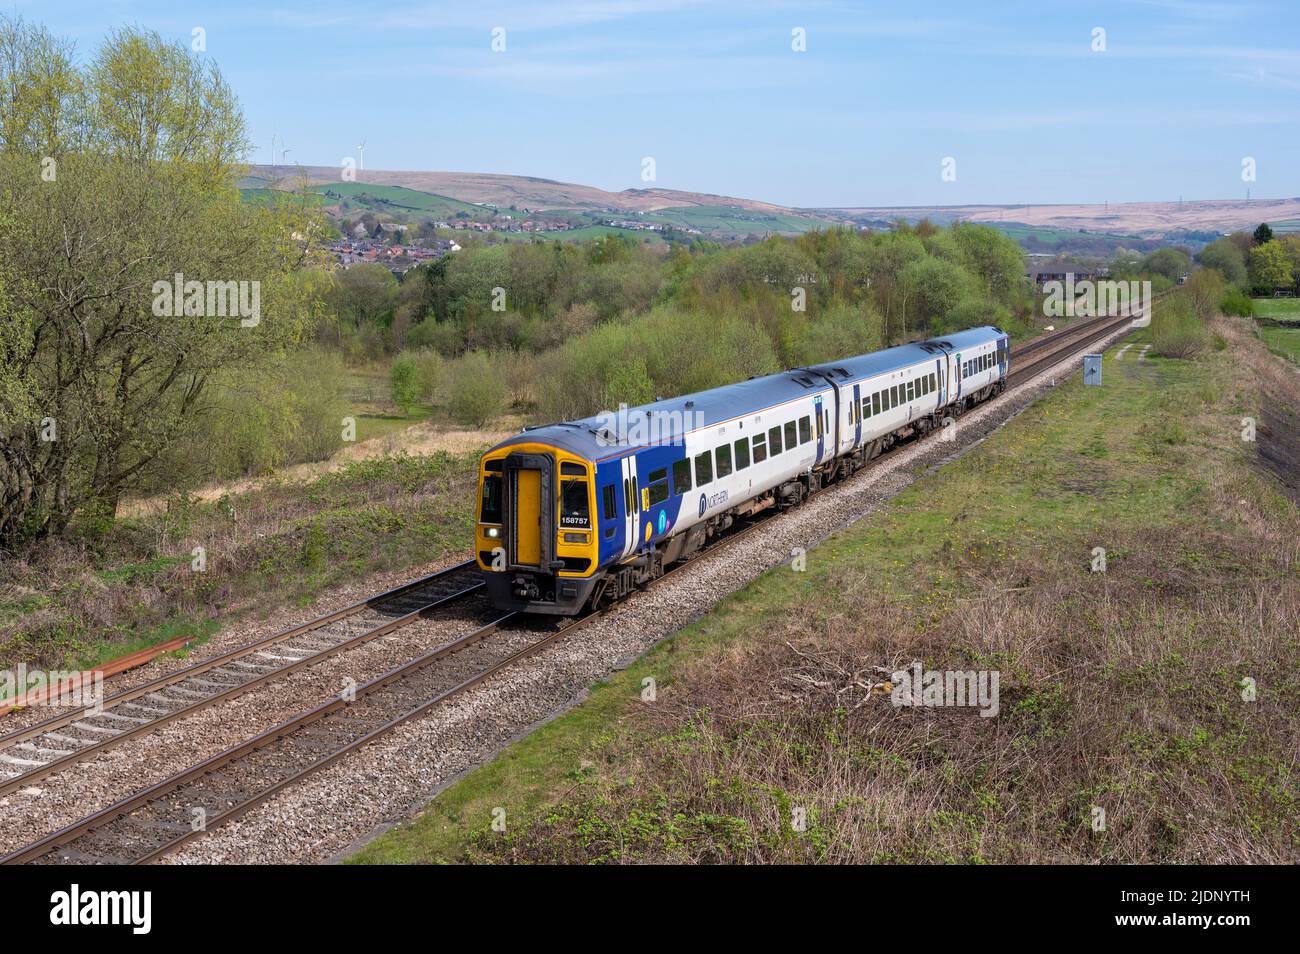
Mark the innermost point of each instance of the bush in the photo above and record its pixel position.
(1204, 291)
(475, 390)
(1176, 332)
(1237, 302)
(430, 373)
(403, 380)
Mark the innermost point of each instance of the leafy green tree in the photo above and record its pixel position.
(365, 294)
(1224, 256)
(115, 177)
(1170, 263)
(1270, 268)
(1263, 234)
(933, 287)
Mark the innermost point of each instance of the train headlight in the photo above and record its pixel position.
(492, 533)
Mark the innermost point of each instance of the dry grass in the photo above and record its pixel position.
(112, 589)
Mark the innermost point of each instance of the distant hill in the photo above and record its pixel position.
(522, 191)
(1146, 219)
(443, 194)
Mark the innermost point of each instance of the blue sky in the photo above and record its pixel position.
(715, 94)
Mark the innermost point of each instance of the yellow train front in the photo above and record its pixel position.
(536, 537)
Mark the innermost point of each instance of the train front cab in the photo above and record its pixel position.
(536, 535)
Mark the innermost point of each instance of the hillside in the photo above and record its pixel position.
(1150, 219)
(527, 192)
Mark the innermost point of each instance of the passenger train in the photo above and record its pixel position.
(581, 513)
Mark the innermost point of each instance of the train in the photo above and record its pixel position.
(578, 514)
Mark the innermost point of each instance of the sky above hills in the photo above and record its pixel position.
(1020, 96)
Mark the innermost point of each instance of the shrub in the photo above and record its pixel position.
(403, 380)
(1204, 291)
(1237, 302)
(475, 390)
(430, 372)
(1176, 332)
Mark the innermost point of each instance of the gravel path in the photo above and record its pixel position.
(322, 817)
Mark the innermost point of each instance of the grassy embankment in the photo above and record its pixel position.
(1120, 690)
(128, 585)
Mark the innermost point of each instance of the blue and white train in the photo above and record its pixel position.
(583, 512)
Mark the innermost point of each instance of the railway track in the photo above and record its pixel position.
(60, 742)
(1029, 361)
(155, 821)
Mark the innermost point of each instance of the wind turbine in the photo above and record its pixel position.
(361, 152)
(284, 152)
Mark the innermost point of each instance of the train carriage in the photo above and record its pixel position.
(585, 511)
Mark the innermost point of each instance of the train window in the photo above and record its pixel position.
(682, 476)
(760, 448)
(657, 475)
(791, 434)
(490, 511)
(627, 496)
(495, 466)
(934, 382)
(703, 469)
(875, 403)
(658, 488)
(774, 441)
(568, 469)
(609, 502)
(893, 396)
(742, 453)
(723, 455)
(805, 430)
(574, 510)
(911, 391)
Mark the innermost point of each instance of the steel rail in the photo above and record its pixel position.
(406, 590)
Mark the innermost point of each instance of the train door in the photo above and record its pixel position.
(631, 506)
(856, 412)
(943, 382)
(821, 431)
(956, 373)
(1003, 353)
(530, 492)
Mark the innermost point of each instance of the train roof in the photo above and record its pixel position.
(903, 356)
(608, 434)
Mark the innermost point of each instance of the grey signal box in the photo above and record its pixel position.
(1092, 369)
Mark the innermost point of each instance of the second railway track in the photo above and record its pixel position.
(61, 741)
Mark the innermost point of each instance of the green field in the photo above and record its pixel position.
(1120, 689)
(264, 196)
(732, 220)
(397, 199)
(1279, 309)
